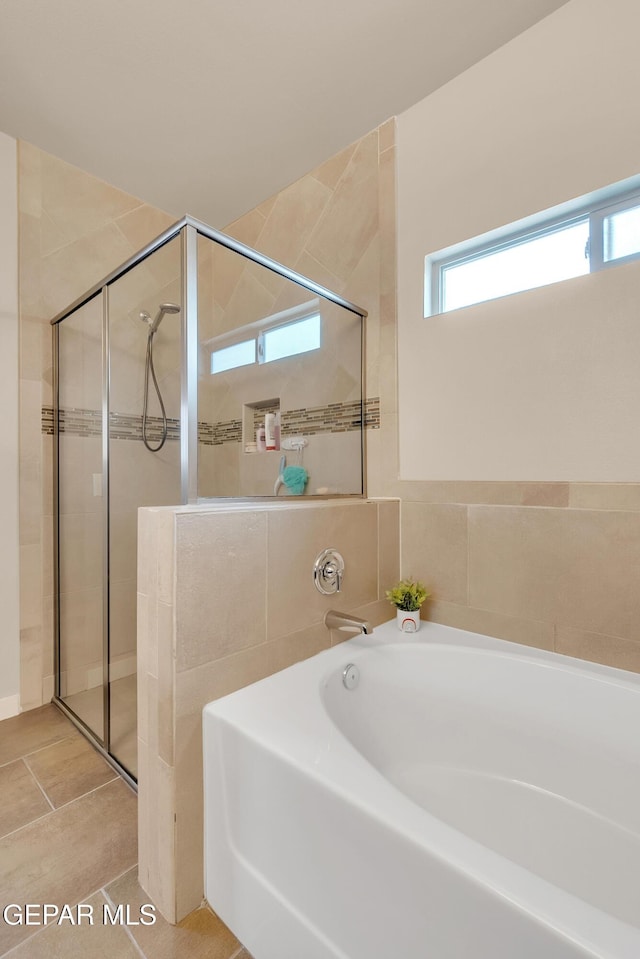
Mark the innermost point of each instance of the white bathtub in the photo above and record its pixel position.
(469, 799)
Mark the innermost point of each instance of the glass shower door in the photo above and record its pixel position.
(81, 539)
(144, 338)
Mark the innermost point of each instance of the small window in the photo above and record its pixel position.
(622, 234)
(533, 261)
(274, 342)
(231, 357)
(301, 336)
(572, 240)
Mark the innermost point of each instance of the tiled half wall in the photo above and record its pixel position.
(225, 598)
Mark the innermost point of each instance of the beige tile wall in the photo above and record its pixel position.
(336, 225)
(549, 565)
(73, 230)
(554, 565)
(226, 597)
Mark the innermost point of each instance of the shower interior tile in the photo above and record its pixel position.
(124, 743)
(87, 705)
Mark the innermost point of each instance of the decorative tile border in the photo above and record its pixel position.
(122, 426)
(80, 422)
(333, 418)
(47, 420)
(372, 413)
(215, 434)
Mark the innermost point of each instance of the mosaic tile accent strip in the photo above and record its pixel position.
(122, 426)
(215, 434)
(80, 422)
(47, 420)
(372, 413)
(334, 418)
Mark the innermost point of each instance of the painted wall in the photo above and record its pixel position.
(541, 385)
(519, 460)
(9, 588)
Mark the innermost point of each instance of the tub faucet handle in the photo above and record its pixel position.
(328, 571)
(332, 571)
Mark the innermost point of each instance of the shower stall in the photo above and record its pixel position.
(164, 376)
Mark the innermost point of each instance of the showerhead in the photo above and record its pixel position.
(164, 308)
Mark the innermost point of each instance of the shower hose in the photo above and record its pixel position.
(149, 368)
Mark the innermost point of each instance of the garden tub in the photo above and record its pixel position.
(448, 797)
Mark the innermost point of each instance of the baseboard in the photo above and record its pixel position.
(9, 706)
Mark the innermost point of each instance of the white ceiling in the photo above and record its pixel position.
(208, 107)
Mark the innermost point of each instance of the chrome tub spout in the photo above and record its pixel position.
(337, 620)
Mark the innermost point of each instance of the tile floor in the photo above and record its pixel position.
(68, 829)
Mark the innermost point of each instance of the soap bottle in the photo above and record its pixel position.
(261, 439)
(269, 431)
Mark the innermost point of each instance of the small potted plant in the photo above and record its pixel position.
(407, 596)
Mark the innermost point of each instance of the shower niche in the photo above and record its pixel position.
(164, 373)
(260, 420)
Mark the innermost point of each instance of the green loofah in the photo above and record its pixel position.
(295, 479)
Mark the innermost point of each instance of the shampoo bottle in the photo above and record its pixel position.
(269, 431)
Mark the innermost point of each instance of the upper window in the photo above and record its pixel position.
(549, 247)
(273, 343)
(289, 339)
(231, 357)
(621, 233)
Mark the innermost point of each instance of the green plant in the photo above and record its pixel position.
(408, 594)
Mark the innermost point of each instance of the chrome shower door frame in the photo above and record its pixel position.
(189, 229)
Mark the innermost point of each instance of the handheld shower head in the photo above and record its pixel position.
(149, 370)
(164, 308)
